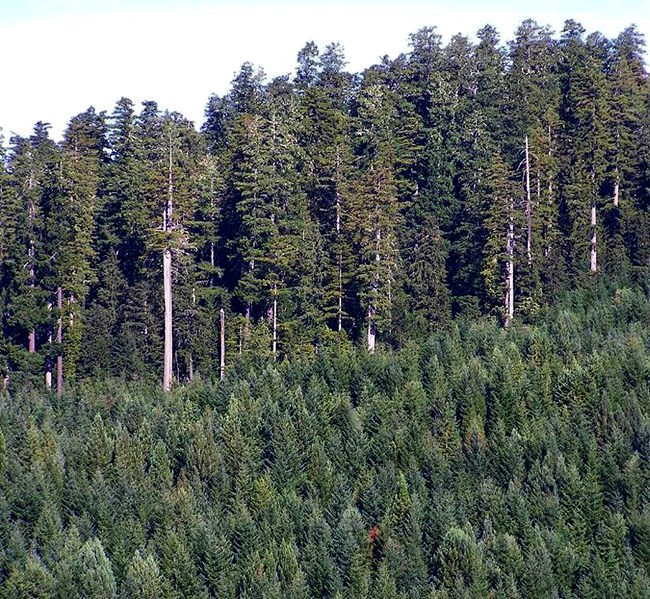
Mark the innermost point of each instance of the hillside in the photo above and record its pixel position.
(401, 320)
(482, 462)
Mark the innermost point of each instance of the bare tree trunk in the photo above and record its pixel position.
(615, 197)
(529, 211)
(246, 330)
(339, 265)
(339, 313)
(340, 299)
(167, 281)
(372, 329)
(510, 271)
(372, 308)
(32, 253)
(212, 219)
(593, 258)
(32, 336)
(222, 347)
(59, 341)
(48, 358)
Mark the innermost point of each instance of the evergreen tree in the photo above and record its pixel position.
(72, 224)
(586, 141)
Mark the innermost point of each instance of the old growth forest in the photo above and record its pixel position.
(369, 335)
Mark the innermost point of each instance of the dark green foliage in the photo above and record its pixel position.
(482, 462)
(462, 459)
(329, 207)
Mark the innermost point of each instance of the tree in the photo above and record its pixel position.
(28, 189)
(143, 578)
(72, 223)
(376, 210)
(324, 136)
(586, 140)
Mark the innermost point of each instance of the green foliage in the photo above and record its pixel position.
(481, 462)
(461, 459)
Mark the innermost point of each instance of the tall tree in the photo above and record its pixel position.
(376, 207)
(28, 256)
(72, 222)
(324, 136)
(586, 141)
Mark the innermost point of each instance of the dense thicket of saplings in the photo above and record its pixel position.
(469, 178)
(482, 462)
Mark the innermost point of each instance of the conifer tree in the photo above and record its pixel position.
(72, 223)
(376, 206)
(586, 141)
(324, 136)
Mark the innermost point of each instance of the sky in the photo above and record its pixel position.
(62, 56)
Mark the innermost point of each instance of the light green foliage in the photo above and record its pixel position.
(143, 578)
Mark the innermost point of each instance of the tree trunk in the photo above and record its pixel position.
(615, 197)
(340, 299)
(372, 329)
(339, 314)
(167, 280)
(222, 347)
(529, 211)
(48, 358)
(593, 258)
(372, 308)
(169, 348)
(32, 254)
(510, 271)
(59, 341)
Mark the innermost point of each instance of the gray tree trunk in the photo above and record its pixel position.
(167, 280)
(48, 358)
(59, 341)
(510, 271)
(529, 211)
(372, 308)
(222, 348)
(593, 256)
(32, 253)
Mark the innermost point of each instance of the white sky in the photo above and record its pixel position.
(62, 56)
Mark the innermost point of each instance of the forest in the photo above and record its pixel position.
(400, 318)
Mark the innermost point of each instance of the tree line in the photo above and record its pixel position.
(465, 179)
